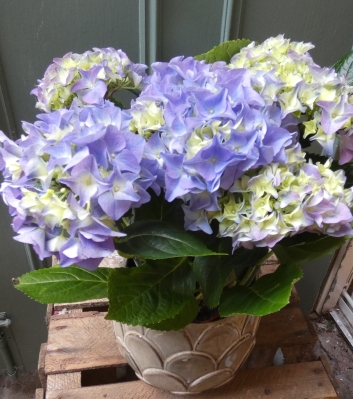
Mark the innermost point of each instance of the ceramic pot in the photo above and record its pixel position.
(191, 360)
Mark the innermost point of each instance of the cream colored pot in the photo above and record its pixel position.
(192, 360)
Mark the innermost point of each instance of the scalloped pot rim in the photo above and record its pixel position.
(192, 360)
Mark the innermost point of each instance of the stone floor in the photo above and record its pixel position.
(23, 388)
(339, 353)
(331, 343)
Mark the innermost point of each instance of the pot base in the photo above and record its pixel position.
(192, 360)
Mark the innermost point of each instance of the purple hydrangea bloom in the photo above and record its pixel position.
(206, 126)
(283, 200)
(90, 77)
(222, 138)
(74, 174)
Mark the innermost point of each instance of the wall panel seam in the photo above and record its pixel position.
(226, 20)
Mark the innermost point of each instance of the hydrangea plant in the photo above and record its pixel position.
(202, 178)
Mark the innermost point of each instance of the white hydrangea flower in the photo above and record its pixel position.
(90, 77)
(283, 71)
(280, 200)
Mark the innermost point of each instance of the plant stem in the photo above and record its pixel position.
(199, 297)
(251, 272)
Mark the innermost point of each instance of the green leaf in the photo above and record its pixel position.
(247, 258)
(344, 66)
(268, 295)
(117, 102)
(150, 239)
(157, 209)
(305, 247)
(150, 293)
(212, 272)
(181, 320)
(64, 284)
(224, 51)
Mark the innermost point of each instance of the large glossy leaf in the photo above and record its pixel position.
(181, 320)
(305, 247)
(150, 293)
(344, 66)
(246, 258)
(224, 51)
(212, 272)
(268, 295)
(64, 284)
(152, 239)
(157, 209)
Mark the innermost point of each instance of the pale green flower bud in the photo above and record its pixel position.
(147, 119)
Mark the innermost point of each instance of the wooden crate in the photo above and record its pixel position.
(81, 360)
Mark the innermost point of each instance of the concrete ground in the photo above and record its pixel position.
(23, 388)
(339, 354)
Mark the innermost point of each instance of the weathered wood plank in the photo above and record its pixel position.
(295, 381)
(298, 354)
(39, 393)
(56, 382)
(287, 327)
(84, 304)
(85, 340)
(329, 372)
(260, 356)
(77, 315)
(79, 342)
(48, 314)
(41, 363)
(294, 299)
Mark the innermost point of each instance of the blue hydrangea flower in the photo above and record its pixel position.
(89, 77)
(206, 126)
(73, 174)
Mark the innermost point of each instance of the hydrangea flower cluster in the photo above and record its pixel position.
(73, 174)
(263, 207)
(90, 77)
(206, 126)
(283, 71)
(222, 138)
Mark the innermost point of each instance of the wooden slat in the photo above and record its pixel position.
(76, 315)
(41, 363)
(326, 364)
(80, 342)
(48, 314)
(111, 261)
(294, 299)
(260, 356)
(287, 327)
(295, 381)
(39, 393)
(298, 354)
(288, 330)
(63, 381)
(81, 305)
